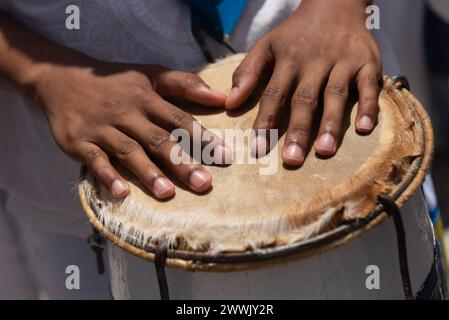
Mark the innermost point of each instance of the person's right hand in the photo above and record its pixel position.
(99, 110)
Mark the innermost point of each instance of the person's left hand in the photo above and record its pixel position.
(323, 48)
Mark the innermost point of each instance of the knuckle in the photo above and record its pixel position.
(371, 59)
(369, 100)
(139, 91)
(336, 89)
(297, 46)
(319, 51)
(358, 41)
(72, 134)
(274, 93)
(370, 103)
(91, 156)
(369, 55)
(299, 130)
(158, 140)
(296, 135)
(305, 97)
(180, 119)
(103, 172)
(369, 80)
(126, 147)
(191, 79)
(149, 98)
(114, 105)
(267, 120)
(329, 126)
(240, 73)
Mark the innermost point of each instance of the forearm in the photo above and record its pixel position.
(23, 52)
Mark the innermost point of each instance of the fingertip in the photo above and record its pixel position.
(293, 155)
(163, 188)
(222, 155)
(119, 189)
(259, 145)
(326, 145)
(232, 100)
(324, 152)
(240, 93)
(200, 180)
(365, 124)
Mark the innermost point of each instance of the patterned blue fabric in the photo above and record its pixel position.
(217, 17)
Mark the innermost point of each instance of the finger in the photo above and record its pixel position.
(132, 156)
(368, 88)
(335, 101)
(159, 144)
(187, 86)
(303, 107)
(273, 99)
(98, 162)
(246, 76)
(170, 117)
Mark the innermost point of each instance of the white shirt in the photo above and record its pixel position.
(138, 31)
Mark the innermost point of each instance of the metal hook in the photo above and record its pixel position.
(402, 80)
(97, 243)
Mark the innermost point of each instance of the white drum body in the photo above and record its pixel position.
(365, 268)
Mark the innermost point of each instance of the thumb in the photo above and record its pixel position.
(248, 74)
(186, 86)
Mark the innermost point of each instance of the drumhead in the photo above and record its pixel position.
(253, 215)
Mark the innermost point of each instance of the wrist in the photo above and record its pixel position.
(35, 76)
(29, 78)
(345, 13)
(356, 6)
(26, 76)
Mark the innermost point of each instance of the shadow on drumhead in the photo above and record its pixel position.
(284, 117)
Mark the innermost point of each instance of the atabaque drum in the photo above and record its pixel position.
(353, 226)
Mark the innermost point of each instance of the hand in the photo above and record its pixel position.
(323, 47)
(98, 111)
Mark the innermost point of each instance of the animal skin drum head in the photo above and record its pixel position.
(265, 217)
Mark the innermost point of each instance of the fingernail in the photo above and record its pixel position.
(198, 179)
(326, 142)
(162, 186)
(259, 146)
(294, 152)
(118, 189)
(365, 123)
(222, 154)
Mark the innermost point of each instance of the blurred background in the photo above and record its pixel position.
(418, 31)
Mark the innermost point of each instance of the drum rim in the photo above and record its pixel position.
(233, 261)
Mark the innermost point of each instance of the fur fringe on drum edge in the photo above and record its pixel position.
(138, 226)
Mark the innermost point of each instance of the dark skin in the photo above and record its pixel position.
(322, 49)
(99, 110)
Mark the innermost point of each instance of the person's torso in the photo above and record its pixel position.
(137, 31)
(141, 31)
